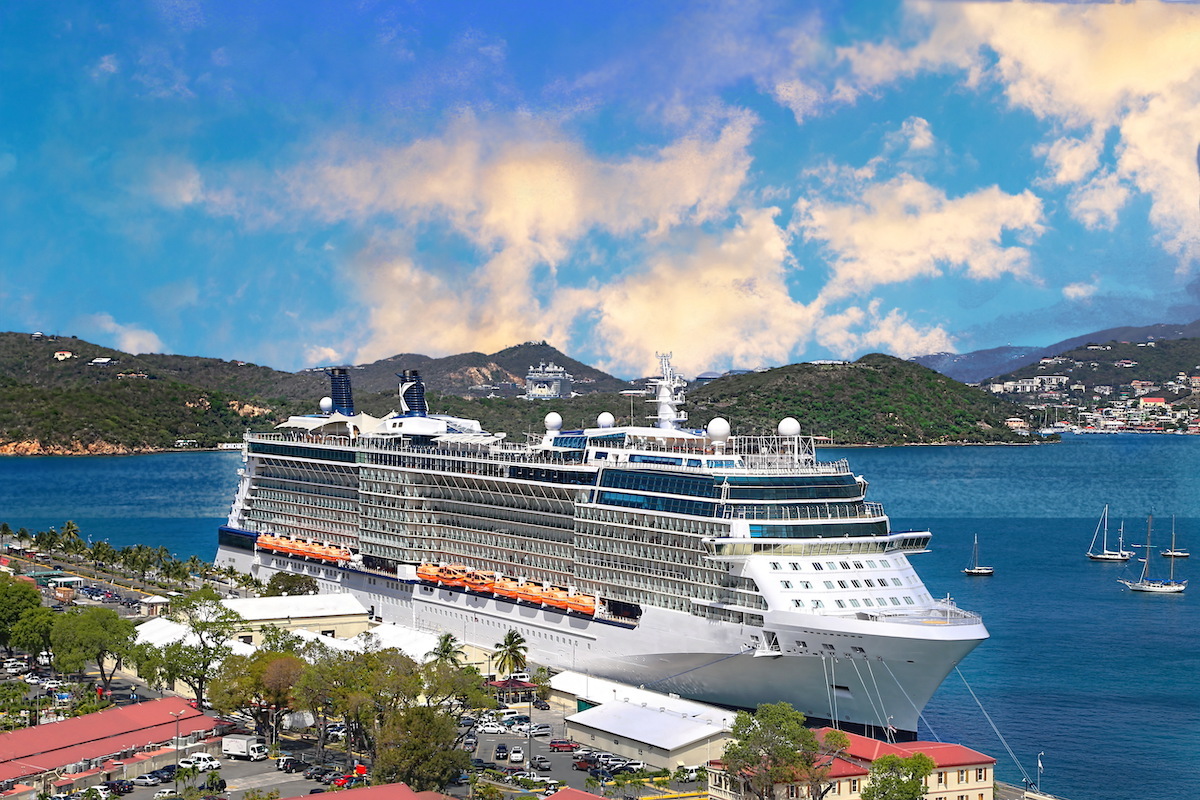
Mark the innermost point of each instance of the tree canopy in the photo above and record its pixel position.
(193, 659)
(772, 746)
(92, 635)
(896, 778)
(291, 584)
(16, 597)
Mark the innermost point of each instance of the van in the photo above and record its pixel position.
(691, 774)
(507, 713)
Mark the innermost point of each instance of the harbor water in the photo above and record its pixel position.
(1101, 681)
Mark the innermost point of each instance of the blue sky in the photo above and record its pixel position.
(744, 184)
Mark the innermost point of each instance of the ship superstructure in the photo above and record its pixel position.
(730, 569)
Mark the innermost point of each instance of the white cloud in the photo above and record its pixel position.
(918, 133)
(173, 182)
(129, 338)
(1097, 203)
(1092, 69)
(855, 329)
(1080, 291)
(903, 228)
(322, 354)
(801, 98)
(107, 65)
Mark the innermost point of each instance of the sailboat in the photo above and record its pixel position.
(1104, 554)
(974, 568)
(1174, 552)
(1147, 584)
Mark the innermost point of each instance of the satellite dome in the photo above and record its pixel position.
(718, 429)
(326, 405)
(554, 421)
(605, 420)
(789, 426)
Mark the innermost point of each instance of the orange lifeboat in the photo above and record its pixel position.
(531, 592)
(556, 598)
(583, 603)
(428, 572)
(480, 580)
(452, 575)
(507, 588)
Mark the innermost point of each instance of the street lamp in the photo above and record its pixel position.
(175, 775)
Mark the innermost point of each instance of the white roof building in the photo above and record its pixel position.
(661, 729)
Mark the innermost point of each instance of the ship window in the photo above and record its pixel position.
(805, 584)
(881, 601)
(855, 603)
(842, 584)
(858, 565)
(818, 603)
(831, 565)
(858, 650)
(896, 582)
(895, 601)
(840, 603)
(869, 583)
(828, 584)
(868, 602)
(693, 462)
(884, 562)
(817, 566)
(829, 647)
(774, 565)
(801, 645)
(856, 584)
(794, 566)
(786, 584)
(908, 600)
(601, 455)
(871, 564)
(844, 564)
(798, 603)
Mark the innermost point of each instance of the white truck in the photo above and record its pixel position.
(244, 745)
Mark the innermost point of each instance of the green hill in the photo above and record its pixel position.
(148, 402)
(1113, 363)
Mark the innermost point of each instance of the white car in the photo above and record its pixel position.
(516, 756)
(202, 762)
(491, 727)
(52, 684)
(161, 793)
(33, 679)
(145, 780)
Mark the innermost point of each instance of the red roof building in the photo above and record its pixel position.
(959, 772)
(45, 754)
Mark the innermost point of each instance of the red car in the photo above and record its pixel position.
(563, 745)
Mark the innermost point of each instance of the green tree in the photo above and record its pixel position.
(31, 632)
(896, 778)
(291, 584)
(447, 651)
(193, 659)
(772, 746)
(260, 685)
(510, 653)
(16, 597)
(94, 635)
(541, 677)
(417, 748)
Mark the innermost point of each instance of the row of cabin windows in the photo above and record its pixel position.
(831, 565)
(853, 603)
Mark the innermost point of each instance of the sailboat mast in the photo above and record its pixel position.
(1146, 560)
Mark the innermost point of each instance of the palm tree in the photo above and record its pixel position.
(23, 537)
(5, 532)
(447, 651)
(510, 653)
(102, 553)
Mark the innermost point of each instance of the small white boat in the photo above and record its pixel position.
(1104, 554)
(1174, 552)
(974, 568)
(1147, 584)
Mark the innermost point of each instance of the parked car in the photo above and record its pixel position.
(501, 752)
(538, 729)
(350, 781)
(201, 762)
(516, 756)
(121, 786)
(146, 780)
(581, 764)
(541, 705)
(539, 762)
(600, 774)
(491, 727)
(297, 765)
(563, 746)
(516, 719)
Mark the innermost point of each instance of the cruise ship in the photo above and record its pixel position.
(735, 570)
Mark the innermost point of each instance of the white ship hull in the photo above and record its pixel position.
(886, 684)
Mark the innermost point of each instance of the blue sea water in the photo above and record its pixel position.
(1102, 681)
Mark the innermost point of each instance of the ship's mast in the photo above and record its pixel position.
(668, 395)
